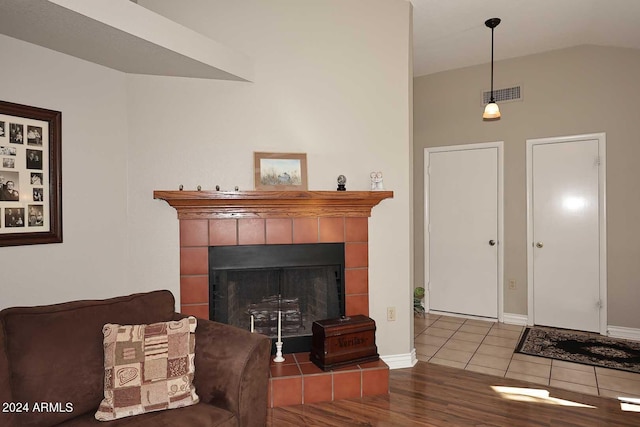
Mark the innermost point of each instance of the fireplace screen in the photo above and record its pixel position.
(302, 282)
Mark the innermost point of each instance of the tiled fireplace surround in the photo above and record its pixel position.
(297, 380)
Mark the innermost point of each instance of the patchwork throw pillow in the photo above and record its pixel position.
(148, 368)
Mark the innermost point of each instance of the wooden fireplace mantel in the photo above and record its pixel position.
(271, 204)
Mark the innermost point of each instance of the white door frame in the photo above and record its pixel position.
(500, 274)
(602, 211)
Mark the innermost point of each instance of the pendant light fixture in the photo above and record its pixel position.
(491, 110)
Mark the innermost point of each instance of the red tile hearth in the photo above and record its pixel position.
(297, 381)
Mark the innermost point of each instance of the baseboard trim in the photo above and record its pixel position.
(462, 316)
(399, 361)
(515, 319)
(623, 332)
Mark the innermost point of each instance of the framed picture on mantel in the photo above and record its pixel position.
(280, 171)
(30, 175)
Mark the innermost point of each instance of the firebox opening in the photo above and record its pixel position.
(303, 282)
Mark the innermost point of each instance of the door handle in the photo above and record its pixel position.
(492, 242)
(539, 245)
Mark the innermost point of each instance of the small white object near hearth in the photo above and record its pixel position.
(279, 357)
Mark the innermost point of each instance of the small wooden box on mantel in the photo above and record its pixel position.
(343, 341)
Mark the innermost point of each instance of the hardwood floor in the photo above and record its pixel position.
(434, 395)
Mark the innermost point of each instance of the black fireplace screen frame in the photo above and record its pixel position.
(256, 257)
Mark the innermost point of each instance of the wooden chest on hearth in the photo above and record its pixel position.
(343, 341)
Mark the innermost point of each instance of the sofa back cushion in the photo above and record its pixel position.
(56, 353)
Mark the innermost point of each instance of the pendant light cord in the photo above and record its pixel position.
(492, 100)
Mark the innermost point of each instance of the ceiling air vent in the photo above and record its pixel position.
(507, 94)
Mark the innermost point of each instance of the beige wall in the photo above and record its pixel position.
(332, 79)
(91, 261)
(566, 92)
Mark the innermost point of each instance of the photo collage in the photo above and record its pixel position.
(23, 175)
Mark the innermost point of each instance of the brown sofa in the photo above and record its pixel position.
(54, 355)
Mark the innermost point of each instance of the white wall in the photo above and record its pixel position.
(90, 263)
(332, 80)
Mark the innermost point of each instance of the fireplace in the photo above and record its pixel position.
(263, 218)
(258, 283)
(241, 218)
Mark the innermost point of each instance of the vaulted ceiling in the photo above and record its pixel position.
(451, 34)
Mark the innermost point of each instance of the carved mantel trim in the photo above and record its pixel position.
(271, 204)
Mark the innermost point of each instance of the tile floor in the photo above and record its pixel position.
(487, 347)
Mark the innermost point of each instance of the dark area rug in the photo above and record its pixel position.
(581, 347)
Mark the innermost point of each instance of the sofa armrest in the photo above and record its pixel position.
(232, 370)
(6, 418)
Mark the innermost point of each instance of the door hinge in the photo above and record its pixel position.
(597, 161)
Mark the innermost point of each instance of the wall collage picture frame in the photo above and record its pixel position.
(30, 175)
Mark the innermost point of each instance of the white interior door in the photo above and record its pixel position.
(462, 233)
(565, 234)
